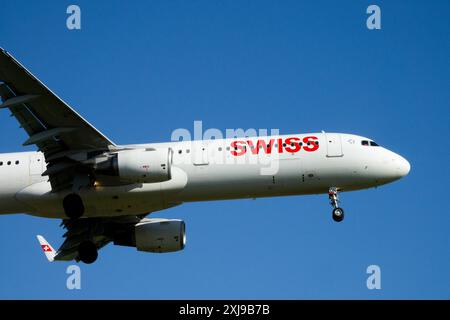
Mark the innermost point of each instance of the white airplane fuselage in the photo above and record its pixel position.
(212, 170)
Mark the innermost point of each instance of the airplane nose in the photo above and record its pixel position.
(387, 168)
(403, 166)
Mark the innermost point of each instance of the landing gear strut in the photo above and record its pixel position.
(338, 213)
(87, 252)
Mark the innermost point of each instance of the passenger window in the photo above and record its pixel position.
(17, 161)
(9, 163)
(1, 163)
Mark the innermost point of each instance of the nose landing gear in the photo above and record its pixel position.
(338, 213)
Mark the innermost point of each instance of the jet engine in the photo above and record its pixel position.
(138, 165)
(155, 235)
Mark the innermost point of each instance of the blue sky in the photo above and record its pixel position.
(138, 71)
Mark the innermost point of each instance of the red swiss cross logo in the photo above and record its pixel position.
(46, 248)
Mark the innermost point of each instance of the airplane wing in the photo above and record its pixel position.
(100, 231)
(51, 123)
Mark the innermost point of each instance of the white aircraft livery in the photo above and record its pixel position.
(103, 191)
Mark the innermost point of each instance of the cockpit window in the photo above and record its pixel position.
(369, 143)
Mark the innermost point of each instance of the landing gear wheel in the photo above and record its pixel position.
(73, 206)
(338, 214)
(87, 252)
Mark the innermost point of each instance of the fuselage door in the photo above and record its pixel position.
(334, 145)
(200, 153)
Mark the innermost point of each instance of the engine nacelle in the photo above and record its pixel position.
(155, 235)
(139, 165)
(160, 235)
